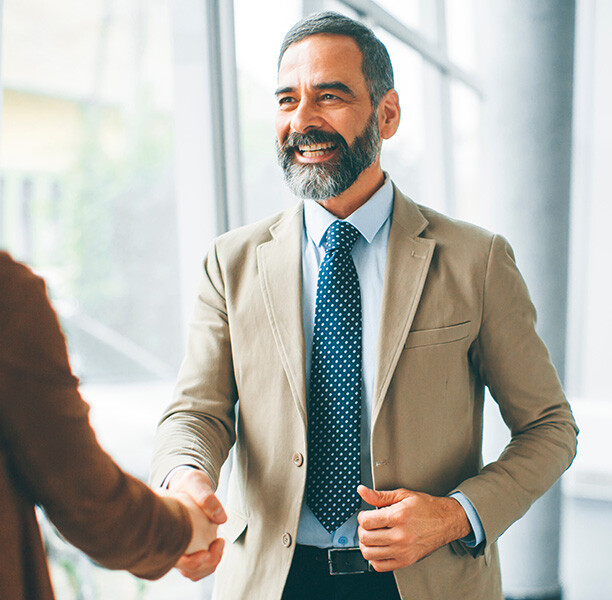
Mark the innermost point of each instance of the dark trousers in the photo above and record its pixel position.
(309, 579)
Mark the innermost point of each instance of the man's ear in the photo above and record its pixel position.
(388, 114)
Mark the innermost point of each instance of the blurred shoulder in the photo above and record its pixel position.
(17, 282)
(23, 296)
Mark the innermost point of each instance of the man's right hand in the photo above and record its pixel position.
(196, 484)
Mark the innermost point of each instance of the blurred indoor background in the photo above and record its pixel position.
(135, 131)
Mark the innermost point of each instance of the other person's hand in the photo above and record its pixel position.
(201, 564)
(197, 485)
(203, 530)
(407, 526)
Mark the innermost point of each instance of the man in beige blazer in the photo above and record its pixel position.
(451, 315)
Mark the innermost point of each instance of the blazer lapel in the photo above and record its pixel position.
(408, 260)
(280, 275)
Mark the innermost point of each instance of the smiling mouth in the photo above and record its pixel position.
(313, 150)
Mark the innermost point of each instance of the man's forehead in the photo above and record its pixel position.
(321, 45)
(331, 52)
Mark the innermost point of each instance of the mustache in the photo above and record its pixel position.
(316, 136)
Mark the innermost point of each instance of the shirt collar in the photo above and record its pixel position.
(368, 218)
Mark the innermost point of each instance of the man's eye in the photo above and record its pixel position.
(329, 97)
(285, 100)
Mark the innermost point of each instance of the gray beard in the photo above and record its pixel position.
(321, 181)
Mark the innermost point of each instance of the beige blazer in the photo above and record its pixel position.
(456, 317)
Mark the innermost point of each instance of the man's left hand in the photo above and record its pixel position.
(407, 526)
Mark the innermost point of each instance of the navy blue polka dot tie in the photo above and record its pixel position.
(334, 406)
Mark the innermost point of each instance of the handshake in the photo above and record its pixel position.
(193, 490)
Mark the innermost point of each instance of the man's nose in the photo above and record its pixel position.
(306, 116)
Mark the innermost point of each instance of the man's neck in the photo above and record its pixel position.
(366, 185)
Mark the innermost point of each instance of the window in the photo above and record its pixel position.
(88, 200)
(256, 55)
(87, 157)
(108, 150)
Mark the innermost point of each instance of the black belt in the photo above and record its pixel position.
(336, 561)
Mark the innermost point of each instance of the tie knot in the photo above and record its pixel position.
(341, 235)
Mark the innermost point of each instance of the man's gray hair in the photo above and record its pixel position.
(376, 64)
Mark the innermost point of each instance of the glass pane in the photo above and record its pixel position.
(256, 57)
(466, 111)
(87, 154)
(588, 360)
(407, 11)
(412, 157)
(340, 7)
(461, 33)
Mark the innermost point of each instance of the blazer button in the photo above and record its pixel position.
(298, 459)
(286, 539)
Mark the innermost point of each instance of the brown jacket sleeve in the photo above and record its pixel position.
(52, 451)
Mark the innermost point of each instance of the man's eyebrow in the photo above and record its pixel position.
(335, 85)
(326, 85)
(284, 90)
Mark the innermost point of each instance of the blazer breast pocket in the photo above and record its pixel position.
(439, 335)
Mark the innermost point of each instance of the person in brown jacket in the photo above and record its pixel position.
(49, 457)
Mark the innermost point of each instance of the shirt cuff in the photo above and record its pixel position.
(170, 475)
(477, 535)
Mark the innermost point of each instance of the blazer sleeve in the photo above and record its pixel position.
(198, 428)
(514, 363)
(52, 451)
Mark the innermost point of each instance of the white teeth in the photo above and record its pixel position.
(316, 147)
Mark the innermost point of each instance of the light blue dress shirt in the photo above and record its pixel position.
(373, 220)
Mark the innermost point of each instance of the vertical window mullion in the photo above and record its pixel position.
(447, 149)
